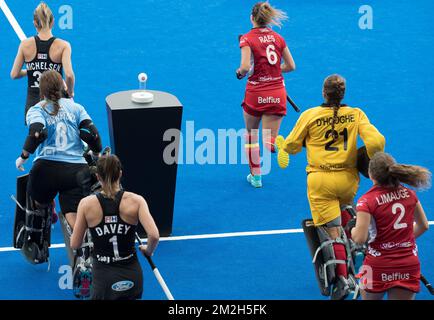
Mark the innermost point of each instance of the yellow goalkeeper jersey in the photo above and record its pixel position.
(313, 129)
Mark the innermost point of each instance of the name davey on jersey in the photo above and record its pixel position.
(112, 229)
(392, 196)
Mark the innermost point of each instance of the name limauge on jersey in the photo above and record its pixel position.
(326, 121)
(115, 228)
(392, 196)
(43, 65)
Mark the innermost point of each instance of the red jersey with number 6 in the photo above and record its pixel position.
(267, 47)
(391, 239)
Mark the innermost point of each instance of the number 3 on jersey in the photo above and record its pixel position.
(37, 75)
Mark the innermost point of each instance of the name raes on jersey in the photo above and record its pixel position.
(326, 121)
(114, 228)
(269, 38)
(384, 198)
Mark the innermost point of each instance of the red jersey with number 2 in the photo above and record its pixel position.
(392, 250)
(267, 47)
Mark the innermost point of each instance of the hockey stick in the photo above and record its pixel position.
(157, 273)
(427, 284)
(288, 98)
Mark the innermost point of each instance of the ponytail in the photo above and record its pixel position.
(50, 89)
(109, 169)
(334, 92)
(384, 169)
(43, 16)
(264, 14)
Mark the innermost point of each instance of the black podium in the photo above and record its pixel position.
(136, 137)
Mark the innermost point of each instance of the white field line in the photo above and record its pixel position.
(12, 20)
(195, 237)
(202, 236)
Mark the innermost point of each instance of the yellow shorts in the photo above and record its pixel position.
(328, 191)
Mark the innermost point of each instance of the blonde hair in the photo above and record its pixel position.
(43, 16)
(264, 14)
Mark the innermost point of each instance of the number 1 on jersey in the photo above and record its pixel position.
(114, 240)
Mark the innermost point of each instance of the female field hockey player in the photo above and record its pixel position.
(265, 97)
(57, 127)
(112, 216)
(392, 217)
(329, 133)
(40, 53)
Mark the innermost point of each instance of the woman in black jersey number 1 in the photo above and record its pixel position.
(41, 53)
(112, 216)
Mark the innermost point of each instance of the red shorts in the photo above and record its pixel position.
(265, 102)
(380, 279)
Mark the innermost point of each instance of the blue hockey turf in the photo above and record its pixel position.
(190, 49)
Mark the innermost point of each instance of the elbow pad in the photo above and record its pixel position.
(37, 134)
(89, 134)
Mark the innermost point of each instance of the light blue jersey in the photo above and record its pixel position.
(63, 141)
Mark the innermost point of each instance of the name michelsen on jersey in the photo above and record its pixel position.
(43, 66)
(392, 196)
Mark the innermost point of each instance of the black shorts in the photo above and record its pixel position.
(117, 281)
(72, 181)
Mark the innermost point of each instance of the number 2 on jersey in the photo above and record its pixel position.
(398, 225)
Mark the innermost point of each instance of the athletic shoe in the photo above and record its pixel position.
(255, 181)
(82, 278)
(282, 155)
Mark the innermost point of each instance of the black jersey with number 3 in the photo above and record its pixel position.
(41, 63)
(113, 238)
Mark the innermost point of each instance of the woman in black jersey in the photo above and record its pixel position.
(112, 216)
(41, 53)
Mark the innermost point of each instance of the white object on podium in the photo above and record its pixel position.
(142, 97)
